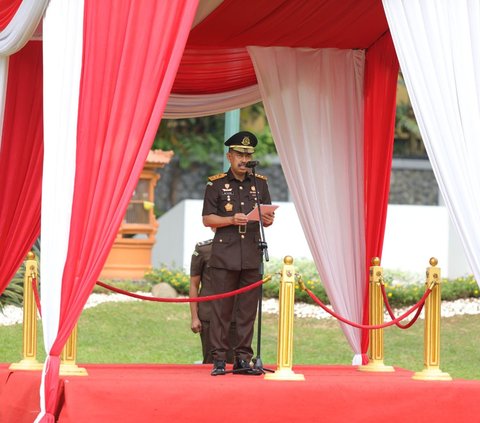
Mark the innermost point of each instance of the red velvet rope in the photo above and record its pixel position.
(359, 326)
(392, 315)
(186, 300)
(37, 297)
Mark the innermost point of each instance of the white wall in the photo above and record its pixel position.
(413, 234)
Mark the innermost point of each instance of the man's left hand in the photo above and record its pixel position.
(267, 219)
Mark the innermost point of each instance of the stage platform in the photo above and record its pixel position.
(187, 393)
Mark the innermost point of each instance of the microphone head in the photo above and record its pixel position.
(252, 163)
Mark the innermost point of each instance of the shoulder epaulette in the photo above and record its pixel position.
(217, 176)
(261, 176)
(202, 243)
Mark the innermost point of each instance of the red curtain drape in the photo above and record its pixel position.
(131, 55)
(381, 73)
(21, 157)
(216, 59)
(8, 8)
(214, 70)
(307, 23)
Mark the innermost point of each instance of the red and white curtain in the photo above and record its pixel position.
(314, 103)
(109, 68)
(335, 148)
(85, 109)
(372, 139)
(19, 19)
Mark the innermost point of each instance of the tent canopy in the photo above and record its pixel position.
(326, 71)
(221, 38)
(309, 23)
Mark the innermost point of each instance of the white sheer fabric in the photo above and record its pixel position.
(184, 106)
(61, 93)
(314, 104)
(22, 26)
(438, 47)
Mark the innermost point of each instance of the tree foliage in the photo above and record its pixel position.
(200, 140)
(193, 140)
(408, 140)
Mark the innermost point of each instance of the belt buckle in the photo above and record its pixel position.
(242, 229)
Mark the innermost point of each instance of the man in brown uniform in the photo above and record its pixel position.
(236, 254)
(201, 285)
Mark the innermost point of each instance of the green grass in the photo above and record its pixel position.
(145, 332)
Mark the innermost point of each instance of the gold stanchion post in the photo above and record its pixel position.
(29, 361)
(375, 350)
(433, 307)
(68, 366)
(285, 326)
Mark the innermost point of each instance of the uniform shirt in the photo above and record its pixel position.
(225, 196)
(199, 266)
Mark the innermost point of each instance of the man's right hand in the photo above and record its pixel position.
(239, 219)
(196, 325)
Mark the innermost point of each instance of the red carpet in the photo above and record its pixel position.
(187, 393)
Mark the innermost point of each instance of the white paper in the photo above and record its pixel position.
(265, 209)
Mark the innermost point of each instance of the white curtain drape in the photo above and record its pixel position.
(185, 106)
(60, 142)
(438, 47)
(314, 103)
(22, 26)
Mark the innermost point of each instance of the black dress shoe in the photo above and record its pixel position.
(218, 367)
(242, 367)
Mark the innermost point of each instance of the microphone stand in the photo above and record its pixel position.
(262, 244)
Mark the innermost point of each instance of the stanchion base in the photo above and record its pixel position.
(375, 366)
(284, 374)
(431, 374)
(26, 365)
(72, 370)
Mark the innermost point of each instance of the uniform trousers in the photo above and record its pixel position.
(225, 281)
(207, 346)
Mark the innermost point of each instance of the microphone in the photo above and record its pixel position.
(251, 163)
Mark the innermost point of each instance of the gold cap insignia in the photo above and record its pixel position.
(246, 141)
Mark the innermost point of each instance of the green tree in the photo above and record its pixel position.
(408, 140)
(200, 140)
(193, 140)
(198, 143)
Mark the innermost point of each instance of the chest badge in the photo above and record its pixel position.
(227, 189)
(228, 207)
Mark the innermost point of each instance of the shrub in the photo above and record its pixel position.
(463, 287)
(177, 278)
(403, 288)
(13, 294)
